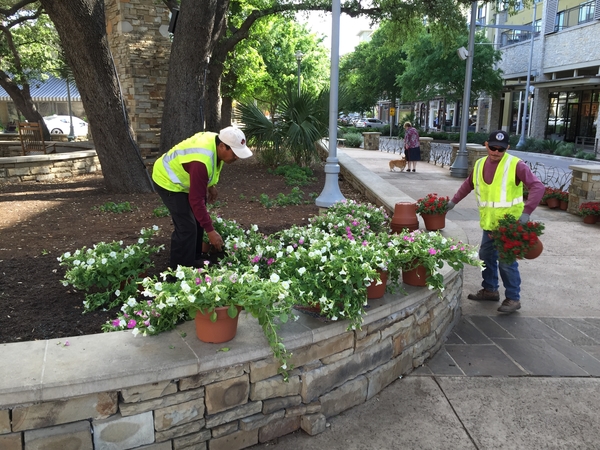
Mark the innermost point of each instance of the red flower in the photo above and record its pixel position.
(513, 239)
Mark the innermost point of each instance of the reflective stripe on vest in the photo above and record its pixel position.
(500, 197)
(168, 170)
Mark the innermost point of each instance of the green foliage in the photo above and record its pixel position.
(565, 149)
(301, 122)
(295, 175)
(293, 198)
(369, 73)
(161, 211)
(109, 272)
(550, 145)
(433, 70)
(113, 207)
(353, 140)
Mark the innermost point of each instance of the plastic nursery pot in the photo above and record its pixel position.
(434, 222)
(405, 217)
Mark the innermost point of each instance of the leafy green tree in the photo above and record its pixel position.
(434, 70)
(28, 44)
(268, 65)
(370, 72)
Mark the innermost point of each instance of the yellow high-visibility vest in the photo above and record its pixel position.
(168, 171)
(500, 197)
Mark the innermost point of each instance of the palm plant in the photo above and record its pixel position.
(300, 121)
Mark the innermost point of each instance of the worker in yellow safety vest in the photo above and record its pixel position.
(498, 180)
(185, 178)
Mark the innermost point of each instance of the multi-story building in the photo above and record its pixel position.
(565, 71)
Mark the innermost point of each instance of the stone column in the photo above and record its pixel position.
(425, 144)
(371, 140)
(585, 186)
(139, 40)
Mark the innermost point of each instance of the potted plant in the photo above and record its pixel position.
(432, 209)
(590, 211)
(213, 296)
(563, 200)
(109, 272)
(551, 197)
(514, 240)
(427, 252)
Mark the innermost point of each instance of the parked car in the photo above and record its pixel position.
(61, 125)
(370, 123)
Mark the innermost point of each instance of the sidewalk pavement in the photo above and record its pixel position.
(528, 380)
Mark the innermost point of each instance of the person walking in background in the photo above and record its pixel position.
(498, 181)
(412, 150)
(185, 178)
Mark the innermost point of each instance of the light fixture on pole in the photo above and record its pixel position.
(460, 166)
(331, 191)
(521, 142)
(71, 136)
(299, 56)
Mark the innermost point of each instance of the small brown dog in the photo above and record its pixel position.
(399, 163)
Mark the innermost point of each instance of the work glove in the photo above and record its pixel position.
(524, 218)
(450, 206)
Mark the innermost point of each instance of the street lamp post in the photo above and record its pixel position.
(299, 56)
(331, 191)
(461, 164)
(521, 142)
(71, 136)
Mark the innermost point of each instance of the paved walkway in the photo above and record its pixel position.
(522, 381)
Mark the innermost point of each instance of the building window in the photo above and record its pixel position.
(538, 26)
(586, 12)
(559, 24)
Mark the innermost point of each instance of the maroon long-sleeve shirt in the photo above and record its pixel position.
(523, 174)
(198, 193)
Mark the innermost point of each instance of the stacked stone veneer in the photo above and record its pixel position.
(160, 400)
(585, 186)
(139, 40)
(48, 167)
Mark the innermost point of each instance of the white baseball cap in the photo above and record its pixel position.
(234, 138)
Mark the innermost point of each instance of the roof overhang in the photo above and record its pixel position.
(573, 82)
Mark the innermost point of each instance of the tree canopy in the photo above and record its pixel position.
(434, 70)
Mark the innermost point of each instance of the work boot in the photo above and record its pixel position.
(509, 306)
(485, 295)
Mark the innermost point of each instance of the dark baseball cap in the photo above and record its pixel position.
(498, 139)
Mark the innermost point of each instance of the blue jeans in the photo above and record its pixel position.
(508, 272)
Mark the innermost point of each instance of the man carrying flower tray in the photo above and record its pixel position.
(498, 181)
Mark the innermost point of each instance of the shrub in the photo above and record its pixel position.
(565, 149)
(353, 140)
(550, 145)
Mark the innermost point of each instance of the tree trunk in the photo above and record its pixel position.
(199, 26)
(82, 24)
(23, 102)
(226, 111)
(213, 96)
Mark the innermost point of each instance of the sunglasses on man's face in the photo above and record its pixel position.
(496, 149)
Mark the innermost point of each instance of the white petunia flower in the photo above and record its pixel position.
(274, 278)
(135, 331)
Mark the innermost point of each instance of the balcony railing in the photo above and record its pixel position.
(574, 16)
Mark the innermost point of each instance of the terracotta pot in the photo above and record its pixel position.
(223, 330)
(377, 290)
(563, 204)
(535, 251)
(553, 203)
(143, 274)
(415, 277)
(405, 217)
(434, 222)
(590, 219)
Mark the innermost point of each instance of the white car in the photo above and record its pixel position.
(61, 125)
(370, 123)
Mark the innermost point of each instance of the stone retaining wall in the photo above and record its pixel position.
(235, 402)
(48, 167)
